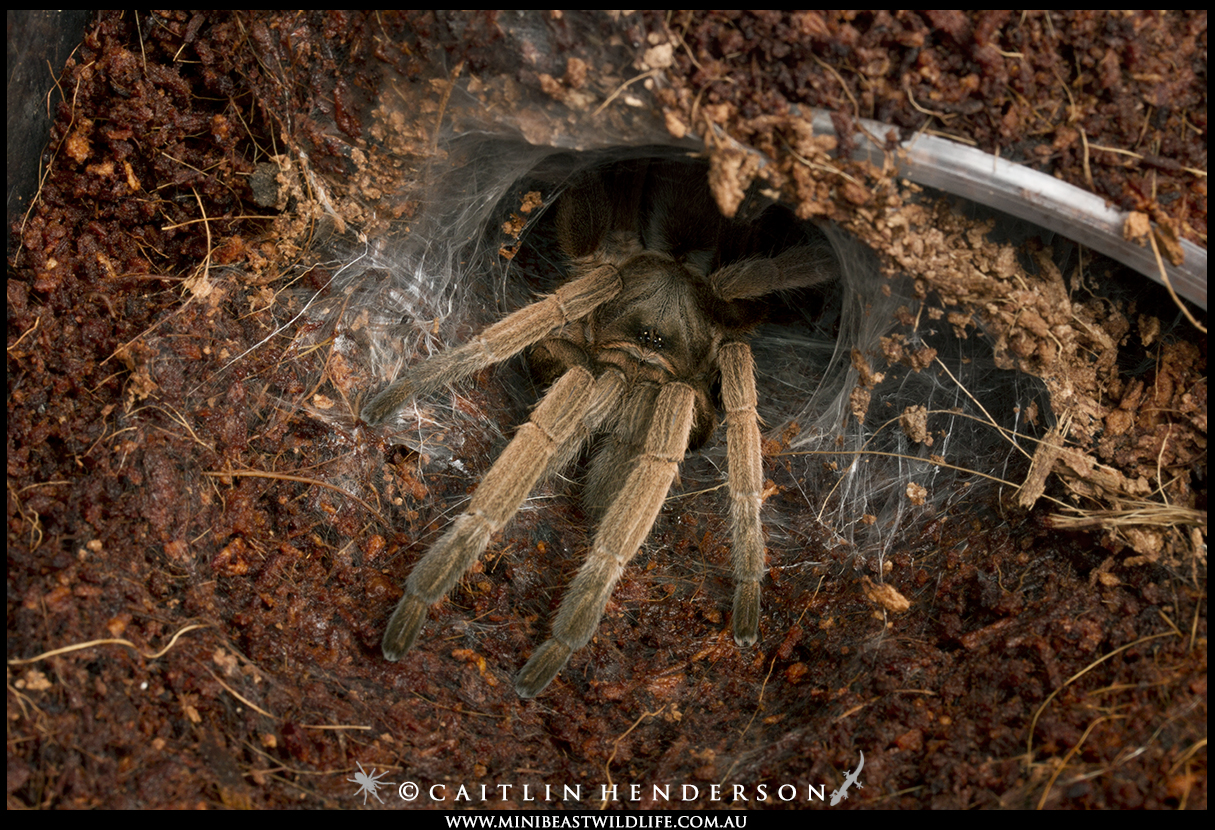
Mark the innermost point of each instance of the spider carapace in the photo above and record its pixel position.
(662, 295)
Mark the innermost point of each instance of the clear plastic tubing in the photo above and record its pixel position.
(1027, 194)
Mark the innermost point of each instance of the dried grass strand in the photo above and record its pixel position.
(119, 642)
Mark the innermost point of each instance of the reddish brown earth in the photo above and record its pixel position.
(179, 463)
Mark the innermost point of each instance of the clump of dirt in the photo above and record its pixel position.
(181, 434)
(744, 76)
(1114, 102)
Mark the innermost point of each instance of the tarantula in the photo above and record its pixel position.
(654, 319)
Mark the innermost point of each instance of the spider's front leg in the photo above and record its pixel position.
(745, 472)
(625, 526)
(556, 422)
(506, 338)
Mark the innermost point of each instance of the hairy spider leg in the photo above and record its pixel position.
(800, 267)
(745, 473)
(504, 339)
(625, 526)
(556, 421)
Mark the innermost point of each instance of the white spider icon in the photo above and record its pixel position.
(368, 782)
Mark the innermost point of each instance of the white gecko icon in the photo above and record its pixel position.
(849, 780)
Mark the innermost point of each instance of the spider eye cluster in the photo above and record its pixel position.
(650, 338)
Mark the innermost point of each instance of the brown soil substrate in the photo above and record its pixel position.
(177, 461)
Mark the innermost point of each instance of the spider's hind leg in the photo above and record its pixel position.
(801, 267)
